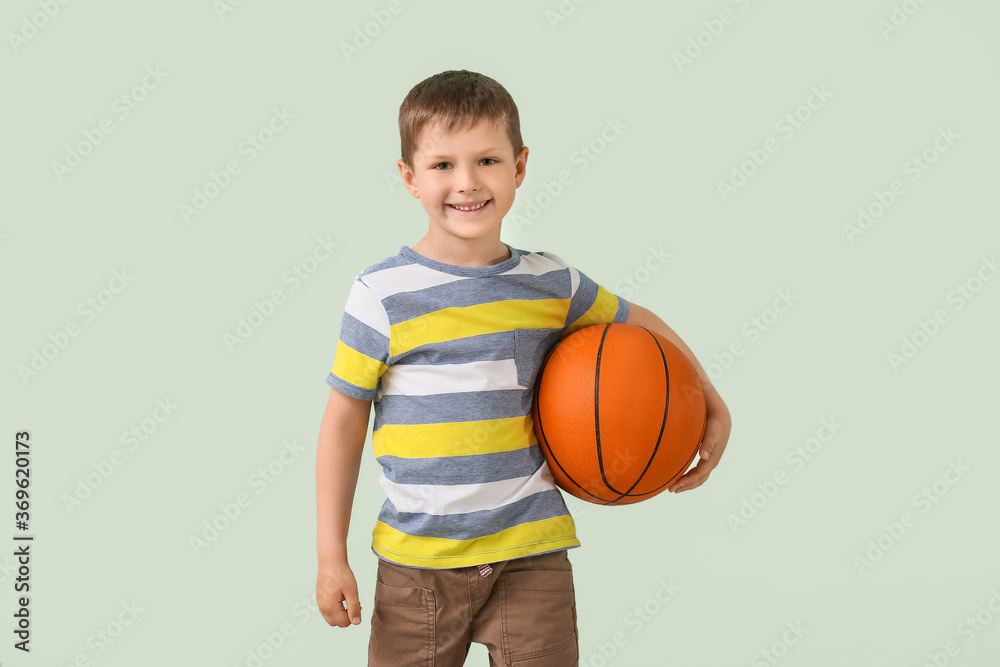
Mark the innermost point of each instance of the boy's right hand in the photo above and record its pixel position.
(336, 584)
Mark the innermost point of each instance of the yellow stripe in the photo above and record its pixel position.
(533, 537)
(355, 367)
(603, 310)
(460, 322)
(453, 439)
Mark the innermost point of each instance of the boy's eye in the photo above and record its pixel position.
(488, 159)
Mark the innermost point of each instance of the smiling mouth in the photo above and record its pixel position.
(472, 207)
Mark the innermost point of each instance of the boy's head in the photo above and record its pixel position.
(456, 99)
(463, 158)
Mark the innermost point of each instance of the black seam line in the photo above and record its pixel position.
(597, 410)
(545, 443)
(663, 422)
(690, 458)
(541, 427)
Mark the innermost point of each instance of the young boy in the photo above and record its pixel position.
(447, 338)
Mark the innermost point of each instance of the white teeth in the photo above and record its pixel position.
(471, 208)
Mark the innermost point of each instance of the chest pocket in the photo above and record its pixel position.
(530, 348)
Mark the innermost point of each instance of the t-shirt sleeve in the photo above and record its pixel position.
(590, 303)
(362, 354)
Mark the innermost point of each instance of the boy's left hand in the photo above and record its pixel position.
(713, 444)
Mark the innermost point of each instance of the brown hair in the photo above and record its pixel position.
(456, 99)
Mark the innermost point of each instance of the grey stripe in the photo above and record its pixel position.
(488, 289)
(387, 263)
(456, 407)
(356, 334)
(621, 315)
(473, 469)
(483, 347)
(349, 389)
(469, 526)
(586, 295)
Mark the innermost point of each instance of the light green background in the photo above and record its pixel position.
(325, 175)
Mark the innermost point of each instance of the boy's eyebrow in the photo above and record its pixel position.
(491, 149)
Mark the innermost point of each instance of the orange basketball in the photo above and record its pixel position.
(619, 413)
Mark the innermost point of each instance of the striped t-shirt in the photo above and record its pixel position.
(449, 355)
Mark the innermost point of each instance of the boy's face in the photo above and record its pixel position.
(467, 167)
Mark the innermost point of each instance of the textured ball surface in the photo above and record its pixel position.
(619, 413)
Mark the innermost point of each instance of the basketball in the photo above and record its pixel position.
(619, 413)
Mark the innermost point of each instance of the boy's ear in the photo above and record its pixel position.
(407, 175)
(519, 167)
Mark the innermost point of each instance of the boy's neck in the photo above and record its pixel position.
(465, 254)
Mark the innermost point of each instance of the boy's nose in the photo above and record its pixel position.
(466, 180)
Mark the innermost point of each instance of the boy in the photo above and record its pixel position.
(447, 338)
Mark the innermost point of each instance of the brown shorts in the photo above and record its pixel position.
(524, 611)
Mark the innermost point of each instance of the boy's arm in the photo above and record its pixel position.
(719, 422)
(338, 462)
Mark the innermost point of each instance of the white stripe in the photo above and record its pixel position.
(574, 276)
(415, 277)
(407, 278)
(537, 265)
(428, 379)
(574, 281)
(461, 498)
(366, 307)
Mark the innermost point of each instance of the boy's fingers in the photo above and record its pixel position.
(354, 609)
(334, 613)
(694, 477)
(705, 451)
(337, 615)
(353, 613)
